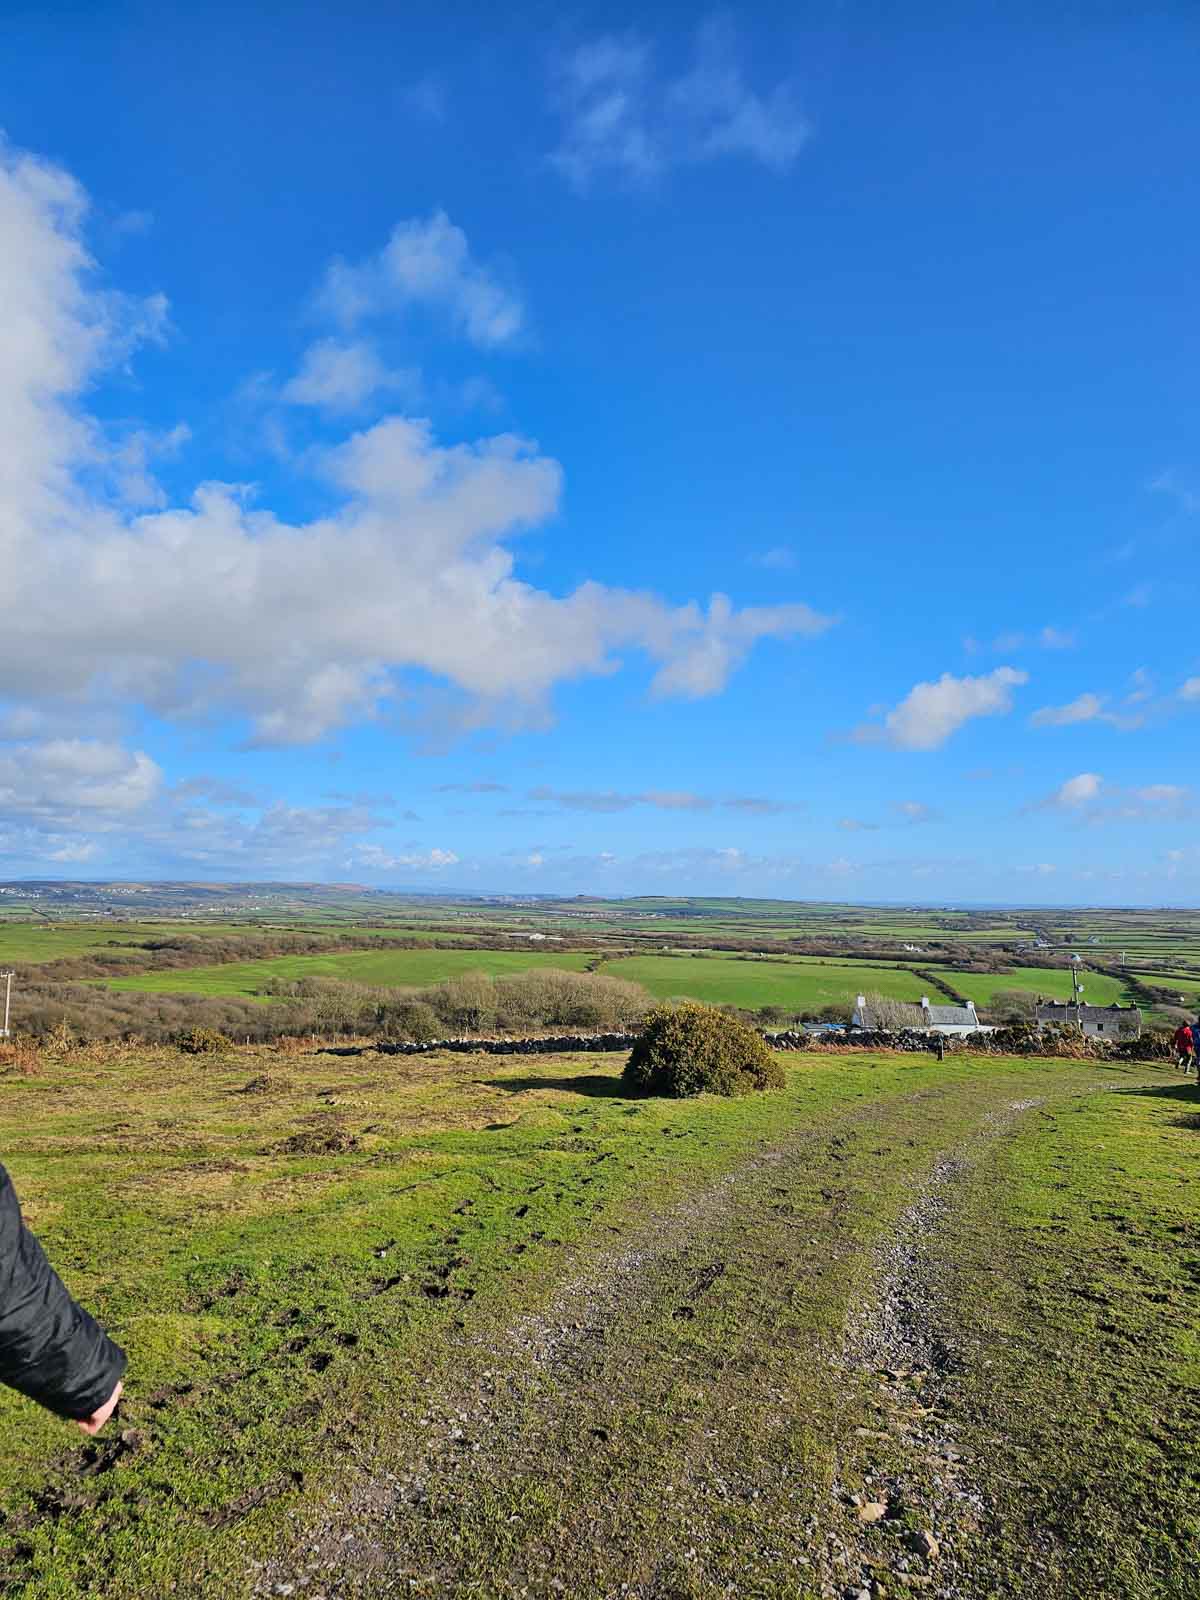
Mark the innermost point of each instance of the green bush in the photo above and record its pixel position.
(693, 1049)
(413, 1020)
(203, 1041)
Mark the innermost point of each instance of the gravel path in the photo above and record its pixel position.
(915, 1520)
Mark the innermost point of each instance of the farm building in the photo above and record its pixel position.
(1097, 1022)
(932, 1019)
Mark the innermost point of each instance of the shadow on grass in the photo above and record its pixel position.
(1190, 1120)
(599, 1086)
(1188, 1091)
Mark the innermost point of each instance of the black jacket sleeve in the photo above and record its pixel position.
(50, 1349)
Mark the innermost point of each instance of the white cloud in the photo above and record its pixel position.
(1189, 689)
(1183, 493)
(611, 800)
(221, 605)
(1047, 638)
(1085, 708)
(1078, 791)
(341, 376)
(622, 115)
(1089, 708)
(710, 648)
(1141, 687)
(915, 812)
(779, 558)
(426, 98)
(81, 850)
(1093, 800)
(425, 263)
(60, 778)
(931, 712)
(376, 859)
(1056, 639)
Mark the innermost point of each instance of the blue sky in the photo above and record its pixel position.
(661, 450)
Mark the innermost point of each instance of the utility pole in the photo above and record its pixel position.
(8, 977)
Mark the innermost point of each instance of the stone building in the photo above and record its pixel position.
(1097, 1022)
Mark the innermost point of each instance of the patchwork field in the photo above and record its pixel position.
(485, 1326)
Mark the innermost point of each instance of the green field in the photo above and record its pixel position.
(451, 1326)
(382, 968)
(795, 985)
(1052, 982)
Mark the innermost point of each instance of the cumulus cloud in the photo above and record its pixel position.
(1078, 791)
(342, 375)
(1189, 689)
(221, 605)
(931, 712)
(425, 263)
(621, 114)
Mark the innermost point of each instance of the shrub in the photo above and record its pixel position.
(413, 1020)
(203, 1042)
(693, 1049)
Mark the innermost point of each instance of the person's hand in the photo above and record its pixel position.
(96, 1421)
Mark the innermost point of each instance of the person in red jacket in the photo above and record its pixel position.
(1185, 1048)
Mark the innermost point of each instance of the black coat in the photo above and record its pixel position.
(50, 1349)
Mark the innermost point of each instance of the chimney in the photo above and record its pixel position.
(924, 1002)
(861, 1004)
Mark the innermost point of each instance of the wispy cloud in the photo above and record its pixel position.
(1086, 707)
(915, 813)
(611, 800)
(779, 558)
(1179, 488)
(622, 114)
(931, 712)
(1092, 799)
(1047, 638)
(425, 99)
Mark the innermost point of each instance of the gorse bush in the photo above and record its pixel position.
(203, 1042)
(693, 1049)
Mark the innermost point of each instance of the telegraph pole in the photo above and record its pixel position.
(8, 978)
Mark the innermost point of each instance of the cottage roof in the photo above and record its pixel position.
(1068, 1011)
(951, 1016)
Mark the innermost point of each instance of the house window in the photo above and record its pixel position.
(1099, 1027)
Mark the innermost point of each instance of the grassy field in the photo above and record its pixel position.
(795, 985)
(384, 968)
(491, 1327)
(1052, 982)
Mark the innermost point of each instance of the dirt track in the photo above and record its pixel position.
(689, 1413)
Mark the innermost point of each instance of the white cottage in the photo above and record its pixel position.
(949, 1019)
